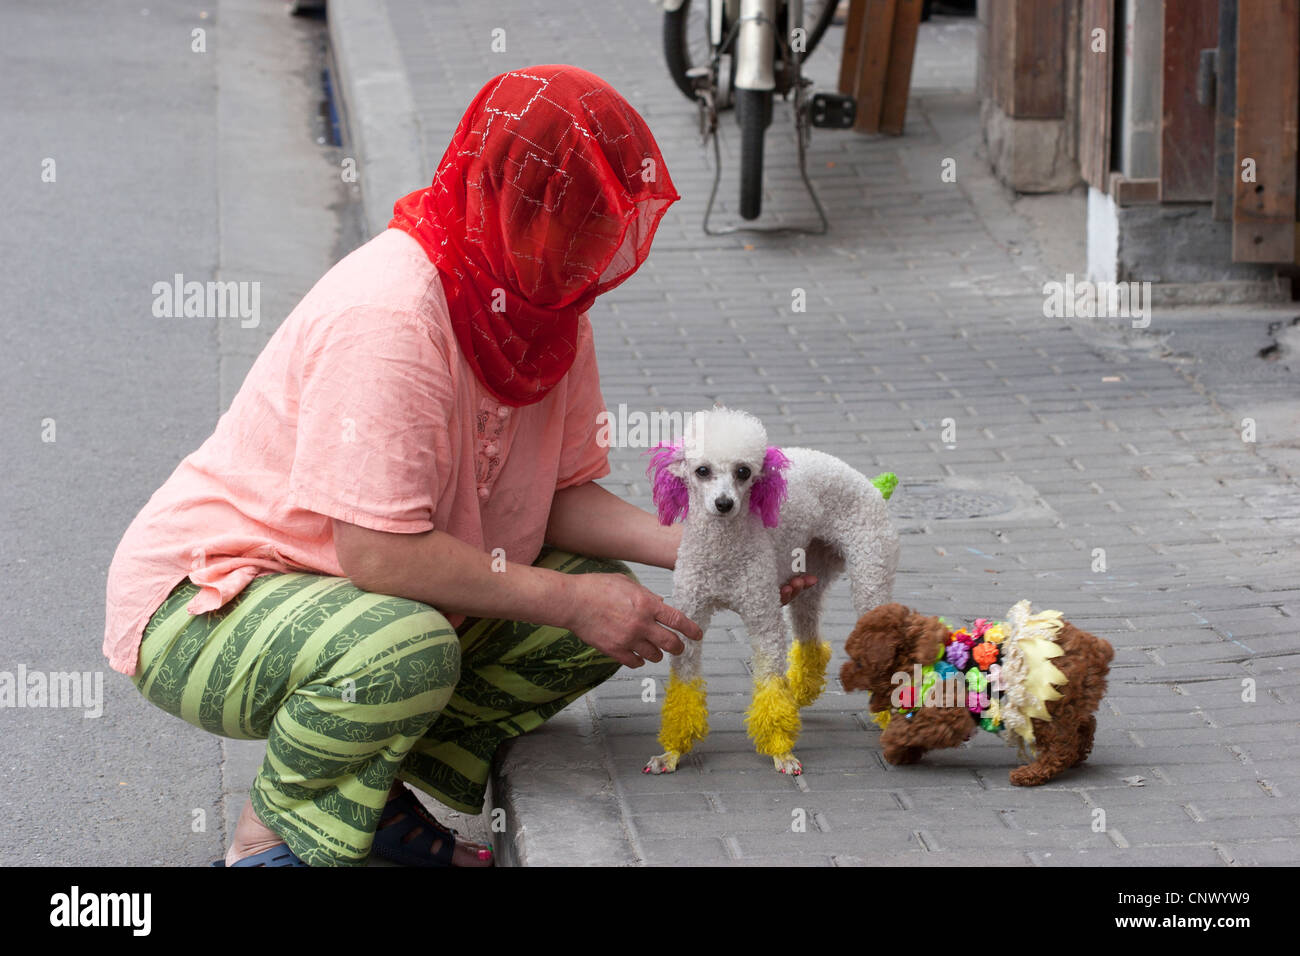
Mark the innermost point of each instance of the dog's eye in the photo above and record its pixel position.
(702, 471)
(743, 473)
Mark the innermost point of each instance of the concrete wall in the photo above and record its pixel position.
(1179, 248)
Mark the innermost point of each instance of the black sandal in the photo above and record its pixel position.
(409, 841)
(278, 855)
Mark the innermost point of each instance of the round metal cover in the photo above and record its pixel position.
(937, 502)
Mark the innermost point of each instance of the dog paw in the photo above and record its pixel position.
(1030, 776)
(664, 763)
(788, 763)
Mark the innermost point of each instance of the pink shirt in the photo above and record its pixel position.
(360, 408)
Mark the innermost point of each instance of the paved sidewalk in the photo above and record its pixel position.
(923, 305)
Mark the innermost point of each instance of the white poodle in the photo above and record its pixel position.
(755, 516)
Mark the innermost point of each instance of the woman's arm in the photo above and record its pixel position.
(628, 622)
(619, 617)
(587, 519)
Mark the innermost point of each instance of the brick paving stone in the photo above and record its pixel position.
(957, 858)
(1132, 856)
(1280, 852)
(915, 315)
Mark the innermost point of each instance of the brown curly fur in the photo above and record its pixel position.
(892, 638)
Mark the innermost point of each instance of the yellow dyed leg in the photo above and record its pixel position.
(685, 719)
(773, 722)
(807, 670)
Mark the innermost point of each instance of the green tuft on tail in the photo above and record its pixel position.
(886, 481)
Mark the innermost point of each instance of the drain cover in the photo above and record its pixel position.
(935, 501)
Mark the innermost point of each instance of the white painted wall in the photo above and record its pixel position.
(1103, 237)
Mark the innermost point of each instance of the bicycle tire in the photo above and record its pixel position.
(676, 54)
(754, 111)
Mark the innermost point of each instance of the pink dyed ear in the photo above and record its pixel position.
(669, 492)
(769, 490)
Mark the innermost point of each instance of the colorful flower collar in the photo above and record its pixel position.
(1000, 670)
(976, 655)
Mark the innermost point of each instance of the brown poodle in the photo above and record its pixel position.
(893, 642)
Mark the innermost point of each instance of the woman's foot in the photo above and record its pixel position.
(251, 836)
(464, 852)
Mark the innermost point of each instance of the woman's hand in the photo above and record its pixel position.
(624, 620)
(631, 623)
(800, 582)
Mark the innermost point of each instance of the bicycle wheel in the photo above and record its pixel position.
(686, 42)
(686, 36)
(754, 111)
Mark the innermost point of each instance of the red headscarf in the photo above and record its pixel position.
(548, 195)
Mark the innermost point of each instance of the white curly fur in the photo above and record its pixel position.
(730, 560)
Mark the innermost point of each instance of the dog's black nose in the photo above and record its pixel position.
(723, 504)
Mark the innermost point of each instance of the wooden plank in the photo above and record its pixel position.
(1038, 81)
(1186, 126)
(1096, 70)
(852, 47)
(1001, 43)
(873, 60)
(1134, 192)
(1268, 87)
(898, 73)
(1225, 113)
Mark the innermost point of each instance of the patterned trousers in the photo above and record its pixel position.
(352, 690)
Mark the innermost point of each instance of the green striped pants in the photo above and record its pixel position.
(352, 690)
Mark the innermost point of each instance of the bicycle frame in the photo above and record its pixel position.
(753, 29)
(756, 45)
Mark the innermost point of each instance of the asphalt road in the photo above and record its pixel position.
(130, 156)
